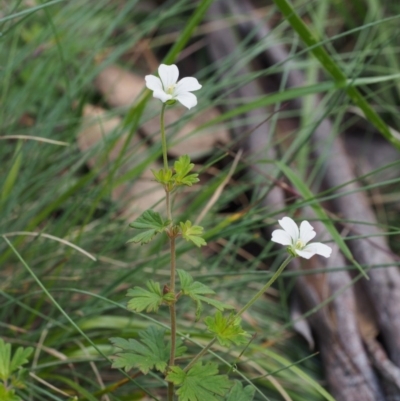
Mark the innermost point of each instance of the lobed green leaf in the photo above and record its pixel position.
(142, 299)
(9, 365)
(163, 176)
(200, 383)
(240, 393)
(144, 238)
(190, 287)
(189, 180)
(151, 352)
(150, 221)
(228, 330)
(20, 358)
(192, 233)
(196, 291)
(182, 168)
(8, 395)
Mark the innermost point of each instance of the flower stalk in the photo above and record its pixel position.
(266, 286)
(172, 237)
(164, 138)
(241, 311)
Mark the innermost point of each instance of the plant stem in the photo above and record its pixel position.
(247, 306)
(168, 202)
(172, 289)
(172, 312)
(200, 354)
(172, 309)
(164, 138)
(266, 286)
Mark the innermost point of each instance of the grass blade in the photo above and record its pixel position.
(333, 69)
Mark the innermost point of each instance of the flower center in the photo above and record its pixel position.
(170, 89)
(299, 244)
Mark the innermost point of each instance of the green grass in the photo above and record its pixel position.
(56, 298)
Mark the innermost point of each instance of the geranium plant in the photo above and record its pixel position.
(156, 349)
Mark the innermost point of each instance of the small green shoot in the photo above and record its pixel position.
(192, 233)
(8, 395)
(227, 329)
(164, 177)
(11, 370)
(182, 169)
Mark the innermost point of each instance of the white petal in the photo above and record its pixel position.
(307, 232)
(304, 254)
(281, 237)
(290, 227)
(318, 248)
(187, 99)
(153, 83)
(188, 84)
(168, 74)
(160, 94)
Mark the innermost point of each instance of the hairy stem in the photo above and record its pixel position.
(168, 202)
(172, 289)
(172, 312)
(164, 138)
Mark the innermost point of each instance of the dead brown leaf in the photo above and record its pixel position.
(142, 193)
(119, 87)
(184, 142)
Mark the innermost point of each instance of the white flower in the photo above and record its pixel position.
(297, 240)
(167, 86)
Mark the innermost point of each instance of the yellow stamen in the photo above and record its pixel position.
(170, 89)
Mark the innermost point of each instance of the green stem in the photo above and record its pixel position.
(266, 286)
(171, 391)
(164, 138)
(172, 312)
(247, 306)
(200, 354)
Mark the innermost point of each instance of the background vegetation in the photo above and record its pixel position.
(65, 304)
